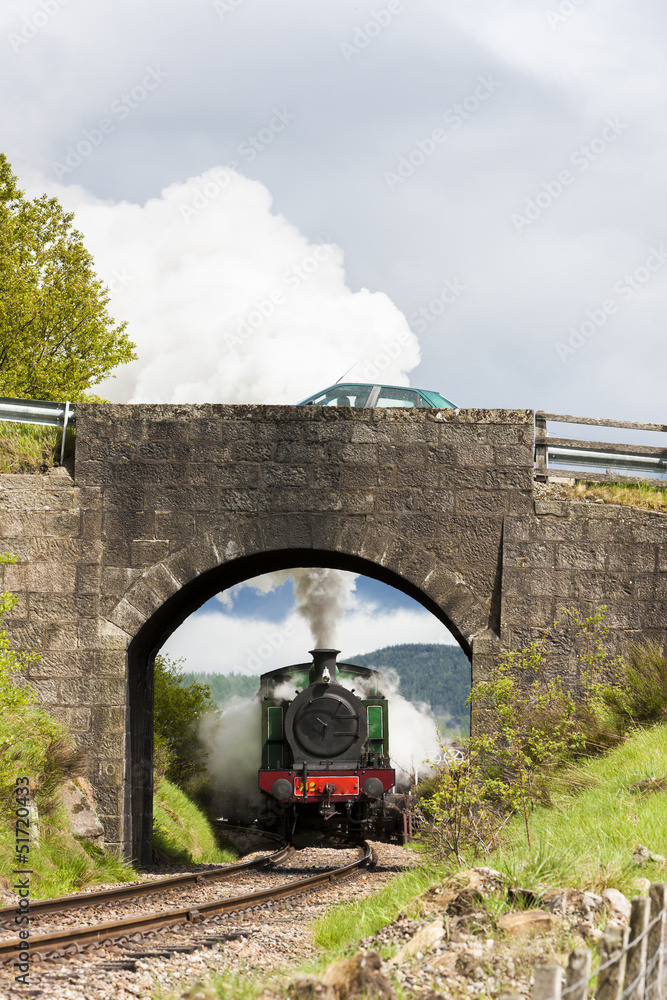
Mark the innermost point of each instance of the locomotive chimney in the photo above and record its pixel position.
(324, 663)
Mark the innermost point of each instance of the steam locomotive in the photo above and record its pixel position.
(325, 752)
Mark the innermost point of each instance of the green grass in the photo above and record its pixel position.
(61, 864)
(181, 831)
(345, 924)
(629, 495)
(587, 838)
(27, 447)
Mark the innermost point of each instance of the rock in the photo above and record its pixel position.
(445, 962)
(648, 785)
(619, 905)
(357, 977)
(83, 818)
(459, 893)
(642, 855)
(592, 901)
(424, 939)
(642, 885)
(557, 902)
(526, 922)
(309, 988)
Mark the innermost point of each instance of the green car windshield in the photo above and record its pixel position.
(355, 394)
(342, 395)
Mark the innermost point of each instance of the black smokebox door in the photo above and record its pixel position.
(327, 726)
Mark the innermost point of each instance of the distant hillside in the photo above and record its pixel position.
(436, 674)
(224, 687)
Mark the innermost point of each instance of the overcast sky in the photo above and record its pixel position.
(468, 196)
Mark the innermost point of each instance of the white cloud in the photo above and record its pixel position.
(222, 643)
(228, 302)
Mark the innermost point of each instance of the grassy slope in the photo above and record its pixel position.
(181, 831)
(596, 821)
(586, 839)
(61, 864)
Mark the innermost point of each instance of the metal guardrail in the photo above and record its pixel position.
(39, 411)
(596, 454)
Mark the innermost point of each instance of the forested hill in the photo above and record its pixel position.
(224, 687)
(436, 674)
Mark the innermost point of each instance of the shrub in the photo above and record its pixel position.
(641, 697)
(179, 707)
(529, 723)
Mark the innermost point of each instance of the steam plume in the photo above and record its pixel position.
(322, 597)
(226, 301)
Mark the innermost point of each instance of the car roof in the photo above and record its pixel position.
(435, 398)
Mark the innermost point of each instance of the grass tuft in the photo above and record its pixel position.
(27, 448)
(640, 495)
(181, 831)
(347, 923)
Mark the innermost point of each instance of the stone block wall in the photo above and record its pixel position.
(170, 504)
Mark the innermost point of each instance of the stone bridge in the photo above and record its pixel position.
(168, 505)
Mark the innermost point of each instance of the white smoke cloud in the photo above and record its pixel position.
(413, 733)
(234, 745)
(228, 302)
(220, 643)
(322, 597)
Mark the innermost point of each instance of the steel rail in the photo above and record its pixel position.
(82, 900)
(73, 939)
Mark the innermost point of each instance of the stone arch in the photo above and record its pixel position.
(166, 594)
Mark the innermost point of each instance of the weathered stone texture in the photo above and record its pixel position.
(170, 502)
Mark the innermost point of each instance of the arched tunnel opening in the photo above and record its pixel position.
(156, 632)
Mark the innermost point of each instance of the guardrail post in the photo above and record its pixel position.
(541, 453)
(656, 960)
(62, 443)
(548, 982)
(612, 947)
(635, 967)
(578, 973)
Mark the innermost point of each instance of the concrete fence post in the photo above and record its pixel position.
(578, 973)
(548, 982)
(656, 960)
(612, 948)
(635, 966)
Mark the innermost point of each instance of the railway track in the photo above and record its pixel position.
(81, 900)
(129, 933)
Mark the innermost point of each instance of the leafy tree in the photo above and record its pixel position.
(56, 335)
(178, 708)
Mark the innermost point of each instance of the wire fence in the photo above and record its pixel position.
(633, 960)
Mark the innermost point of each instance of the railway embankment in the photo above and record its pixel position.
(483, 927)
